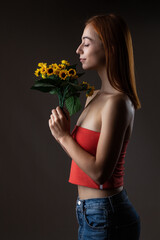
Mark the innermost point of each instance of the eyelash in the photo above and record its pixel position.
(86, 45)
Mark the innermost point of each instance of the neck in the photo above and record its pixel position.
(105, 84)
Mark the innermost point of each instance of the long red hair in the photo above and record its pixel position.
(117, 42)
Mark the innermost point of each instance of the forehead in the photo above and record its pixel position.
(90, 33)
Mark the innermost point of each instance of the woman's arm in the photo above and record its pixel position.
(88, 99)
(63, 148)
(115, 120)
(83, 159)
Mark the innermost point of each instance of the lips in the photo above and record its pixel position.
(82, 59)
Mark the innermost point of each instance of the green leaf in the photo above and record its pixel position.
(53, 91)
(73, 104)
(54, 77)
(43, 85)
(76, 86)
(47, 81)
(42, 89)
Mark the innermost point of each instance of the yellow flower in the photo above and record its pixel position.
(43, 75)
(43, 70)
(56, 68)
(37, 72)
(62, 66)
(50, 71)
(72, 72)
(91, 91)
(54, 65)
(42, 64)
(56, 72)
(65, 62)
(86, 84)
(63, 74)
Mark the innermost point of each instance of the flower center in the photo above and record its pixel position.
(50, 70)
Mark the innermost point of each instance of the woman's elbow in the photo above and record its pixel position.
(102, 178)
(101, 174)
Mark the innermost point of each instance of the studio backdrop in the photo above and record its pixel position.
(36, 200)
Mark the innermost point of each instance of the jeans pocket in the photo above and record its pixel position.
(96, 218)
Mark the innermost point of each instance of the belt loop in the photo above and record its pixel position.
(111, 203)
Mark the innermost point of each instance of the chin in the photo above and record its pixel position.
(87, 67)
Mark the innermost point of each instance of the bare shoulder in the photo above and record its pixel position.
(119, 104)
(118, 100)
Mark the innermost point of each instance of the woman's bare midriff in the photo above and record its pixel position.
(86, 192)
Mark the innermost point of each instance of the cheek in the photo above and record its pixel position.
(101, 57)
(96, 56)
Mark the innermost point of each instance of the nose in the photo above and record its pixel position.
(79, 49)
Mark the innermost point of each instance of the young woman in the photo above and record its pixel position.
(99, 140)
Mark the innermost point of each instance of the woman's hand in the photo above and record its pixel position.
(59, 124)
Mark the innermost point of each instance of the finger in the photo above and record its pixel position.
(50, 122)
(55, 114)
(59, 112)
(52, 119)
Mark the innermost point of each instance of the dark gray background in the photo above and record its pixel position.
(36, 200)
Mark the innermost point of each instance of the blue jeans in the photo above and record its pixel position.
(109, 218)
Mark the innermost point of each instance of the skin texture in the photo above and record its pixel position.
(111, 112)
(91, 50)
(58, 123)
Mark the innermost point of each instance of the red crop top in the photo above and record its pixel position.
(88, 140)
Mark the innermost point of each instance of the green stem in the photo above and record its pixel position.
(61, 103)
(60, 98)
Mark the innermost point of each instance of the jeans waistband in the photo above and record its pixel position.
(110, 200)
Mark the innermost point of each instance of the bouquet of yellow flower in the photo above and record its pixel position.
(62, 79)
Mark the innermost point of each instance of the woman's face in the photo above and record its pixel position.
(91, 50)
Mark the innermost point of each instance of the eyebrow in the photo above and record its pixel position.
(87, 38)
